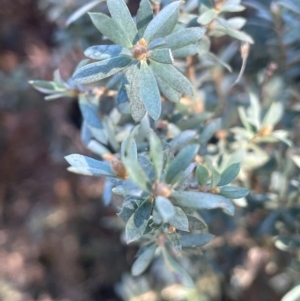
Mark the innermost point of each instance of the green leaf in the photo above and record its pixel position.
(236, 22)
(156, 154)
(172, 77)
(186, 51)
(128, 148)
(163, 23)
(103, 52)
(121, 15)
(149, 92)
(173, 237)
(202, 175)
(210, 130)
(181, 161)
(143, 261)
(195, 223)
(136, 173)
(128, 209)
(99, 70)
(167, 91)
(229, 174)
(201, 200)
(185, 37)
(144, 16)
(137, 223)
(179, 273)
(196, 240)
(233, 192)
(237, 34)
(164, 207)
(163, 56)
(110, 29)
(82, 11)
(159, 42)
(207, 17)
(182, 139)
(215, 178)
(274, 114)
(89, 166)
(43, 86)
(179, 220)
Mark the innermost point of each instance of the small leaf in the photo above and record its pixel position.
(182, 139)
(137, 223)
(293, 294)
(210, 130)
(164, 207)
(233, 192)
(163, 56)
(156, 154)
(179, 273)
(89, 166)
(167, 91)
(99, 70)
(186, 51)
(207, 17)
(195, 240)
(201, 200)
(149, 92)
(229, 174)
(43, 86)
(163, 23)
(236, 22)
(181, 161)
(103, 52)
(215, 178)
(111, 29)
(128, 209)
(185, 37)
(121, 15)
(202, 175)
(136, 173)
(172, 77)
(159, 42)
(195, 223)
(179, 220)
(274, 114)
(143, 261)
(129, 149)
(82, 11)
(144, 16)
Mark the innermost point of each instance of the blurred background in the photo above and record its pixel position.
(55, 243)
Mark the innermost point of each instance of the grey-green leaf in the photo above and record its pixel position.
(186, 51)
(173, 237)
(81, 11)
(207, 16)
(163, 23)
(137, 223)
(99, 70)
(185, 37)
(172, 77)
(164, 207)
(181, 162)
(144, 16)
(89, 166)
(149, 92)
(143, 261)
(111, 29)
(201, 200)
(210, 130)
(233, 192)
(121, 15)
(215, 178)
(274, 114)
(229, 174)
(195, 240)
(156, 154)
(167, 91)
(136, 173)
(202, 175)
(103, 52)
(195, 223)
(163, 56)
(179, 220)
(179, 273)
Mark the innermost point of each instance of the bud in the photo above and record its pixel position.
(119, 168)
(161, 189)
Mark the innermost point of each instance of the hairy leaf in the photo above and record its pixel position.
(144, 16)
(195, 240)
(163, 56)
(179, 220)
(156, 154)
(164, 207)
(233, 192)
(103, 52)
(229, 174)
(202, 175)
